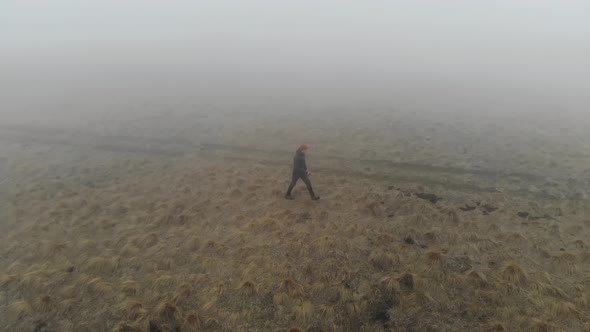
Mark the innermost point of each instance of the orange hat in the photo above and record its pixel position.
(303, 147)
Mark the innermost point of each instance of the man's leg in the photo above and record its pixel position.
(307, 182)
(292, 184)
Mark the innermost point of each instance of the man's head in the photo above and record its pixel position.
(303, 148)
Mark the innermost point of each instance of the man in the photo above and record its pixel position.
(300, 172)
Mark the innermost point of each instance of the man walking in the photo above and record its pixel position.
(300, 172)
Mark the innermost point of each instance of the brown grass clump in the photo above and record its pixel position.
(132, 309)
(436, 257)
(496, 326)
(452, 217)
(220, 288)
(296, 329)
(540, 325)
(8, 279)
(432, 236)
(383, 261)
(292, 287)
(183, 291)
(303, 310)
(354, 308)
(550, 289)
(565, 310)
(193, 323)
(566, 262)
(44, 303)
(281, 298)
(129, 327)
(390, 284)
(477, 278)
(168, 310)
(103, 264)
(164, 282)
(66, 306)
(514, 274)
(31, 280)
(583, 300)
(407, 281)
(129, 287)
(21, 309)
(99, 287)
(327, 311)
(248, 288)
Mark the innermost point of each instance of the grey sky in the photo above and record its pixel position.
(485, 48)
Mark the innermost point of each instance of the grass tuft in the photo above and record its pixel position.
(514, 274)
(436, 257)
(129, 327)
(292, 287)
(477, 278)
(383, 261)
(193, 322)
(44, 303)
(407, 281)
(21, 309)
(168, 310)
(248, 288)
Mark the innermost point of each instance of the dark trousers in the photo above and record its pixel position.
(305, 180)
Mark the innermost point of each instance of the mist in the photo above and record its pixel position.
(523, 57)
(294, 165)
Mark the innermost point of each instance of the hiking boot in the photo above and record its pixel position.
(315, 198)
(289, 197)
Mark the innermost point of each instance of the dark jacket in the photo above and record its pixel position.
(299, 166)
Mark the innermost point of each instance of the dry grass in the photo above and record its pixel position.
(129, 327)
(248, 288)
(44, 303)
(147, 251)
(21, 309)
(513, 274)
(193, 323)
(292, 288)
(477, 278)
(168, 310)
(407, 281)
(436, 257)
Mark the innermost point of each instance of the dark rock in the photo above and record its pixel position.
(429, 197)
(546, 216)
(406, 281)
(70, 269)
(468, 207)
(154, 327)
(488, 208)
(409, 240)
(523, 214)
(40, 326)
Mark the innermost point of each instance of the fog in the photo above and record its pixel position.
(162, 164)
(484, 57)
